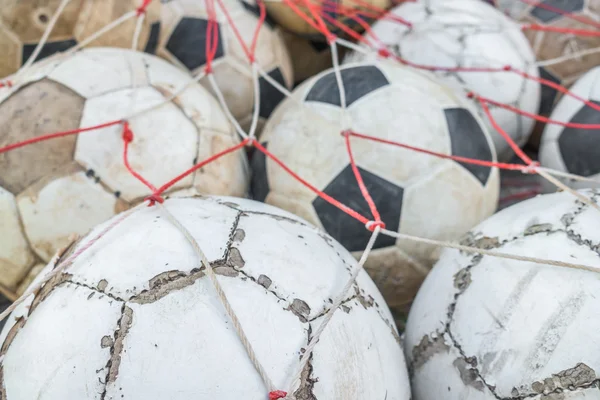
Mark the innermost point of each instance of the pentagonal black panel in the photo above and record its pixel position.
(358, 82)
(548, 93)
(188, 42)
(49, 48)
(351, 233)
(270, 96)
(255, 9)
(259, 184)
(547, 15)
(153, 38)
(580, 148)
(468, 140)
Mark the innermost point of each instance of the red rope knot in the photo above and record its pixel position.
(507, 68)
(371, 225)
(531, 168)
(249, 141)
(385, 53)
(208, 68)
(346, 133)
(153, 199)
(142, 9)
(127, 132)
(330, 38)
(470, 95)
(277, 394)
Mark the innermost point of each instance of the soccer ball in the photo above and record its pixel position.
(65, 186)
(183, 42)
(309, 57)
(23, 22)
(573, 150)
(346, 12)
(467, 34)
(136, 317)
(487, 328)
(415, 193)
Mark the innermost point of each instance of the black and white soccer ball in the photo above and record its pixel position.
(466, 34)
(574, 150)
(183, 41)
(415, 193)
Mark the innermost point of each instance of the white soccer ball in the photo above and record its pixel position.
(136, 317)
(485, 328)
(183, 41)
(466, 34)
(575, 150)
(65, 186)
(390, 102)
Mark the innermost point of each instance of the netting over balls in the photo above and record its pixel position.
(89, 130)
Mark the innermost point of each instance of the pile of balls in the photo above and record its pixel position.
(299, 199)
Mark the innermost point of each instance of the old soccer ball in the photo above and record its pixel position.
(136, 317)
(390, 102)
(183, 42)
(65, 186)
(575, 150)
(353, 14)
(484, 328)
(467, 34)
(24, 22)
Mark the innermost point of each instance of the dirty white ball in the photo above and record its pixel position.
(466, 34)
(485, 328)
(64, 186)
(135, 316)
(571, 149)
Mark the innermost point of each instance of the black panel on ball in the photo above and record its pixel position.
(548, 93)
(259, 183)
(350, 232)
(358, 82)
(49, 49)
(546, 15)
(270, 96)
(580, 148)
(468, 140)
(188, 42)
(152, 42)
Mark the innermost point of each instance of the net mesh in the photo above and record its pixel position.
(334, 21)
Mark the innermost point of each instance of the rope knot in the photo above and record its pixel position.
(470, 95)
(371, 225)
(531, 168)
(507, 68)
(346, 133)
(127, 132)
(142, 9)
(277, 394)
(208, 68)
(153, 199)
(6, 83)
(385, 53)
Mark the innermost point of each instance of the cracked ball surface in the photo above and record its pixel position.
(484, 327)
(135, 316)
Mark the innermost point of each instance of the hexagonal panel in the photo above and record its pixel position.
(49, 49)
(34, 110)
(63, 204)
(165, 142)
(580, 148)
(547, 14)
(188, 42)
(443, 205)
(358, 82)
(468, 140)
(270, 96)
(350, 232)
(15, 255)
